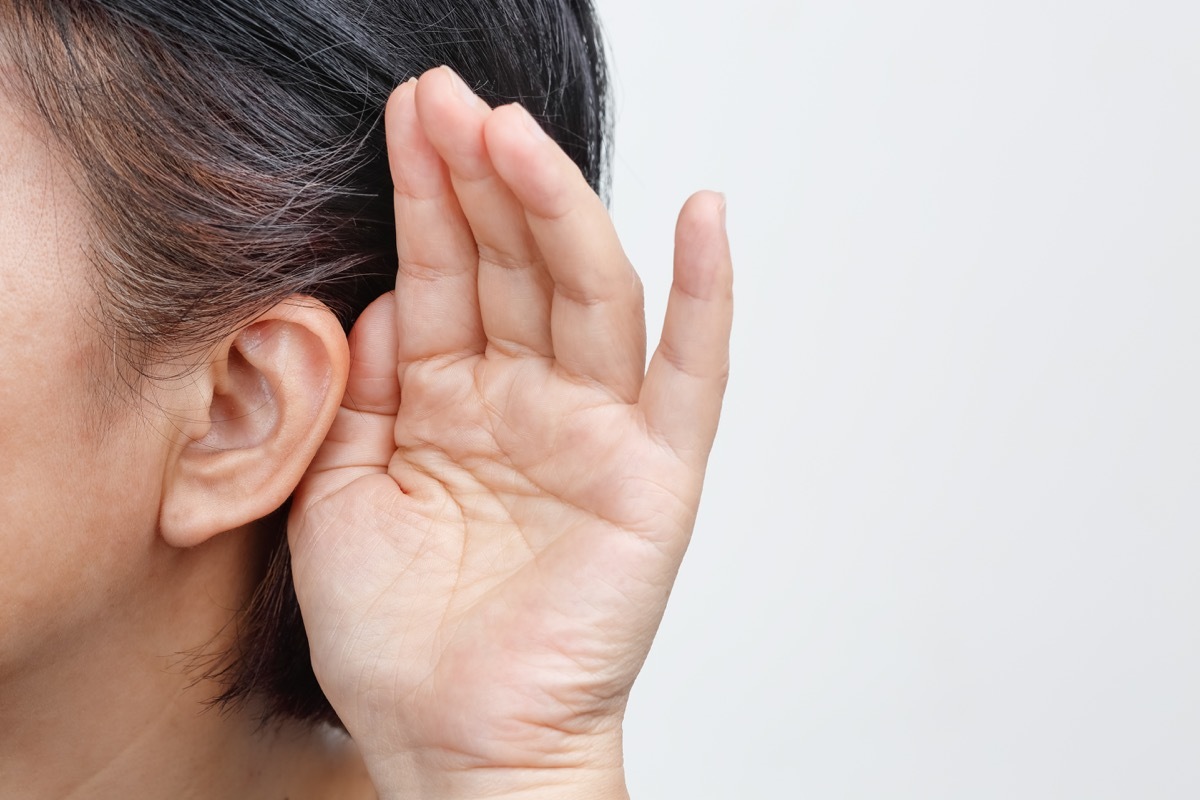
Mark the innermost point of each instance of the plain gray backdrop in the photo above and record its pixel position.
(948, 546)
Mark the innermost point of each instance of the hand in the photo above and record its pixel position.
(484, 546)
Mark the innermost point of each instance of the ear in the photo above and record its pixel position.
(270, 393)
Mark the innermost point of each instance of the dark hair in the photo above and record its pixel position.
(232, 154)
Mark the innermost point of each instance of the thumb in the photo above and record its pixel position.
(361, 440)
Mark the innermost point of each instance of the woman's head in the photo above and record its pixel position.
(213, 164)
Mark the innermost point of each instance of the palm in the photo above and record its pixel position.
(483, 548)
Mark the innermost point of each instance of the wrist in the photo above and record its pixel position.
(592, 772)
(573, 784)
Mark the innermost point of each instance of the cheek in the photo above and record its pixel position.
(78, 498)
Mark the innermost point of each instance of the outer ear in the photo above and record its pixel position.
(272, 391)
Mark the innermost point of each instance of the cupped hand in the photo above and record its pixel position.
(484, 546)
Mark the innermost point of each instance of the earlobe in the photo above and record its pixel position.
(271, 392)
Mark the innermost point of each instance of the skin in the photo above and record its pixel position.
(97, 611)
(484, 547)
(493, 492)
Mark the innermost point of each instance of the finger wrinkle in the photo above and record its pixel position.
(670, 354)
(587, 298)
(421, 271)
(491, 256)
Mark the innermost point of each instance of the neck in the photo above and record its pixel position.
(116, 710)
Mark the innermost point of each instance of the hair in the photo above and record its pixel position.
(231, 154)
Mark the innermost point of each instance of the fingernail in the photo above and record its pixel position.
(464, 92)
(721, 208)
(531, 124)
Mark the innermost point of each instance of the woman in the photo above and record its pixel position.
(486, 493)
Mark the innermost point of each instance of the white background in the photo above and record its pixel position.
(948, 547)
